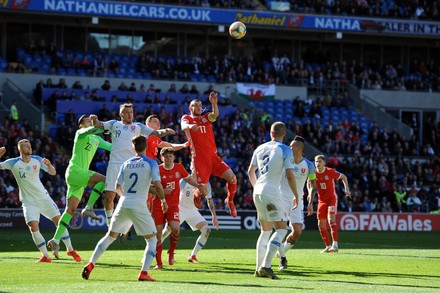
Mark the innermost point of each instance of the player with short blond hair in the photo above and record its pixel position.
(328, 201)
(34, 197)
(122, 132)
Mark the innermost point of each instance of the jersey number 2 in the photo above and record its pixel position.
(131, 189)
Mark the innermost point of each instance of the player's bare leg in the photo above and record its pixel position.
(231, 185)
(290, 241)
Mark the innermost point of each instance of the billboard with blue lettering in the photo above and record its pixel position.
(225, 16)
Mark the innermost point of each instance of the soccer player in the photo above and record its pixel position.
(78, 177)
(327, 201)
(170, 173)
(191, 215)
(122, 132)
(34, 197)
(303, 170)
(133, 183)
(155, 143)
(271, 159)
(198, 129)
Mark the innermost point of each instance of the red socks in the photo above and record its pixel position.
(232, 189)
(334, 231)
(324, 236)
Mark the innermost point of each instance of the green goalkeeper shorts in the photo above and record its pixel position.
(77, 180)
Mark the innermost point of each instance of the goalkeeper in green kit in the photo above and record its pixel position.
(78, 177)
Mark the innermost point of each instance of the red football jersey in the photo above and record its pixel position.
(171, 179)
(202, 141)
(325, 182)
(153, 143)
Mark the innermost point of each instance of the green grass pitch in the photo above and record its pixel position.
(366, 262)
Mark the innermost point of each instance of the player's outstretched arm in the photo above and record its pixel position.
(163, 132)
(292, 183)
(52, 170)
(344, 180)
(95, 122)
(2, 151)
(211, 207)
(175, 146)
(213, 98)
(202, 187)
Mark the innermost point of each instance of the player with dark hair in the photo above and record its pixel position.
(303, 170)
(78, 177)
(133, 181)
(205, 160)
(171, 173)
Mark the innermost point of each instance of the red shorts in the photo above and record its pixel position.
(327, 208)
(160, 218)
(205, 166)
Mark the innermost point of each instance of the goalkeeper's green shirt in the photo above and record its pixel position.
(85, 145)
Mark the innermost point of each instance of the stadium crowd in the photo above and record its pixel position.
(380, 170)
(423, 10)
(313, 70)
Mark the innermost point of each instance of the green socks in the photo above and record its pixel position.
(96, 193)
(62, 225)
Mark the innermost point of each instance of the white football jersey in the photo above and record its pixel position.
(135, 177)
(187, 197)
(122, 134)
(27, 176)
(305, 169)
(271, 158)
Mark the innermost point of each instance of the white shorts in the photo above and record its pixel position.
(111, 176)
(140, 218)
(296, 216)
(45, 207)
(270, 208)
(192, 217)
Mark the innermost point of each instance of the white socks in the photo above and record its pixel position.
(40, 242)
(149, 253)
(274, 243)
(262, 247)
(101, 247)
(201, 241)
(285, 246)
(66, 240)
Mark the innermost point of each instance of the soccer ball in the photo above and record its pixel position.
(237, 30)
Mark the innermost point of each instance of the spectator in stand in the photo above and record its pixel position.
(114, 66)
(122, 87)
(106, 85)
(99, 66)
(77, 85)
